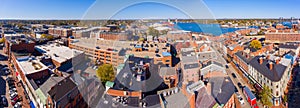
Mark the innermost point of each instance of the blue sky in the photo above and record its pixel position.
(118, 9)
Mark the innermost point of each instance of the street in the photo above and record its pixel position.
(238, 79)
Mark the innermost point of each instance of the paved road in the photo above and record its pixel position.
(3, 86)
(238, 78)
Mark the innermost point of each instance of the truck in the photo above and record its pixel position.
(250, 97)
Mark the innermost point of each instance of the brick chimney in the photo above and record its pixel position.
(261, 60)
(268, 57)
(278, 60)
(271, 65)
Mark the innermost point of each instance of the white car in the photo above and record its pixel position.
(18, 105)
(238, 95)
(241, 100)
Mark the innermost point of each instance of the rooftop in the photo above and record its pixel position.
(57, 52)
(57, 86)
(222, 88)
(177, 100)
(274, 74)
(30, 65)
(167, 71)
(288, 46)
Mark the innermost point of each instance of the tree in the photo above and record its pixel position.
(265, 96)
(2, 40)
(141, 39)
(43, 36)
(255, 44)
(153, 32)
(105, 73)
(49, 37)
(285, 98)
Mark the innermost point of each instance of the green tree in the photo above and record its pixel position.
(285, 98)
(105, 73)
(152, 31)
(2, 40)
(43, 36)
(141, 39)
(265, 96)
(255, 44)
(49, 37)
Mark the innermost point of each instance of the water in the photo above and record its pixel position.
(214, 29)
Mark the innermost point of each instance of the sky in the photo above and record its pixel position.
(151, 9)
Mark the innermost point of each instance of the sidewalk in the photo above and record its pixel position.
(243, 76)
(20, 89)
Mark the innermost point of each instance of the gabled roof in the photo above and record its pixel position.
(204, 100)
(274, 75)
(57, 86)
(212, 66)
(222, 89)
(243, 57)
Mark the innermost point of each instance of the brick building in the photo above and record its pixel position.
(62, 32)
(114, 52)
(18, 43)
(276, 37)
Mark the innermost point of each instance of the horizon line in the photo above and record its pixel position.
(49, 19)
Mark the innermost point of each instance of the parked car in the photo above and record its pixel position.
(7, 72)
(3, 101)
(13, 102)
(241, 100)
(13, 95)
(235, 89)
(18, 105)
(233, 75)
(12, 87)
(240, 85)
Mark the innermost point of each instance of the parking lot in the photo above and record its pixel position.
(3, 84)
(9, 87)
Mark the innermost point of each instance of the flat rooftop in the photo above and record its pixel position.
(30, 65)
(57, 52)
(118, 46)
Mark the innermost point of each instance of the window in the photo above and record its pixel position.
(277, 86)
(277, 93)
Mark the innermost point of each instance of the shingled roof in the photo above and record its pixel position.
(274, 74)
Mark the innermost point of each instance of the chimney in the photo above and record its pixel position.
(261, 60)
(278, 60)
(268, 57)
(271, 65)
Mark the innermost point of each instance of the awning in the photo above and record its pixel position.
(31, 104)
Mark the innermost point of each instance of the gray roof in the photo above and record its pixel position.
(212, 66)
(191, 66)
(204, 100)
(242, 57)
(57, 87)
(177, 100)
(222, 89)
(188, 59)
(167, 71)
(202, 56)
(131, 83)
(287, 46)
(274, 75)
